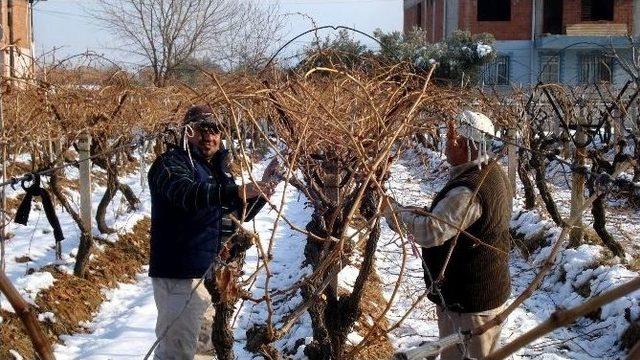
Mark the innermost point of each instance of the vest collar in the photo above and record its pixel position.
(456, 171)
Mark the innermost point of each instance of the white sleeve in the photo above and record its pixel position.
(458, 209)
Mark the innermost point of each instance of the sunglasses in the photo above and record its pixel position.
(207, 128)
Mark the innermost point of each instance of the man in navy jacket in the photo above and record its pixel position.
(191, 195)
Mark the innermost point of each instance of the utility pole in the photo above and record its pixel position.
(11, 39)
(33, 51)
(33, 36)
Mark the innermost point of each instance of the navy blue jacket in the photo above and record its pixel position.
(188, 203)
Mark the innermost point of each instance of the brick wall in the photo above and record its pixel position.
(21, 36)
(439, 5)
(434, 31)
(518, 28)
(622, 13)
(429, 27)
(409, 18)
(21, 22)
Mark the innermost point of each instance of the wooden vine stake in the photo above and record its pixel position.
(512, 156)
(23, 309)
(86, 239)
(3, 195)
(142, 151)
(577, 188)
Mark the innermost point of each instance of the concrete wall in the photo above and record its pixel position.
(570, 68)
(519, 52)
(525, 63)
(452, 16)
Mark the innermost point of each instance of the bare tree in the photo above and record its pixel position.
(249, 46)
(168, 33)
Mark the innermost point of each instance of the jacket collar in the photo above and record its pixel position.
(217, 157)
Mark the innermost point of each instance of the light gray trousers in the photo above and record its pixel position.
(450, 322)
(179, 315)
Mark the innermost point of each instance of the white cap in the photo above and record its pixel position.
(475, 126)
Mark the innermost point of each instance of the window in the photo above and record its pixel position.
(594, 10)
(549, 69)
(595, 68)
(552, 17)
(494, 10)
(497, 72)
(419, 14)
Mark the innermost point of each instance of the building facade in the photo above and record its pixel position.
(565, 41)
(15, 20)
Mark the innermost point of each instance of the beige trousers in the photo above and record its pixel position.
(478, 347)
(179, 315)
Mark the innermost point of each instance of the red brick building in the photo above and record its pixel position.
(15, 19)
(563, 33)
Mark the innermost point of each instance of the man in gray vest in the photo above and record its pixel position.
(465, 237)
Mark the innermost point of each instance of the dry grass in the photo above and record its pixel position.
(16, 168)
(634, 264)
(372, 305)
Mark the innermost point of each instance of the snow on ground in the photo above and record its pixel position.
(32, 246)
(122, 329)
(576, 270)
(124, 326)
(286, 268)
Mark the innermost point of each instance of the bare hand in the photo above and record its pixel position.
(271, 172)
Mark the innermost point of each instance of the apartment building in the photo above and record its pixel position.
(566, 41)
(15, 20)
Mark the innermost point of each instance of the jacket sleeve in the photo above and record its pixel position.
(253, 207)
(174, 179)
(457, 210)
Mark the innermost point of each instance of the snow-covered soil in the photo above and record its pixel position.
(416, 180)
(124, 326)
(31, 247)
(123, 329)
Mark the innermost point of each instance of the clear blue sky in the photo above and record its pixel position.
(64, 24)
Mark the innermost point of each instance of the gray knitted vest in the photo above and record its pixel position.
(477, 276)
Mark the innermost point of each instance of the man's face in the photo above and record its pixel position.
(456, 151)
(207, 139)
